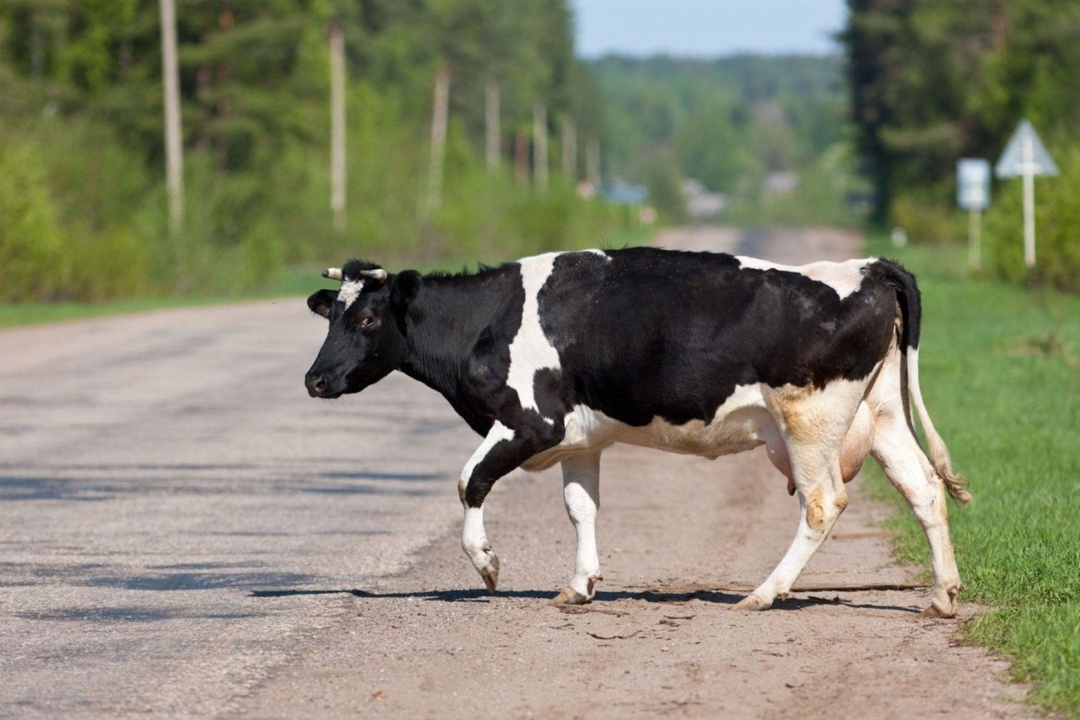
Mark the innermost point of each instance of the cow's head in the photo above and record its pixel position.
(366, 337)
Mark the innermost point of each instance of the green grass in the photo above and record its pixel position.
(1000, 370)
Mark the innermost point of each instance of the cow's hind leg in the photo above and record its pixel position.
(814, 424)
(581, 492)
(909, 470)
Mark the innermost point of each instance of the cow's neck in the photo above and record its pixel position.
(446, 318)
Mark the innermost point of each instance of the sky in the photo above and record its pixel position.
(707, 28)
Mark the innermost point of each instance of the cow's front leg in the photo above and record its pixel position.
(503, 450)
(581, 492)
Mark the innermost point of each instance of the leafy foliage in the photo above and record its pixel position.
(80, 91)
(730, 123)
(932, 82)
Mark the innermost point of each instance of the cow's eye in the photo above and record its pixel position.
(366, 321)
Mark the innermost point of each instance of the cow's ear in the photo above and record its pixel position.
(320, 302)
(405, 286)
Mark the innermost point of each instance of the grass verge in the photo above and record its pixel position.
(1001, 375)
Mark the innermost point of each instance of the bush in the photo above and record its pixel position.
(1057, 228)
(31, 245)
(926, 217)
(83, 218)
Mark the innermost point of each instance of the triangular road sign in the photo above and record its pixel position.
(1025, 155)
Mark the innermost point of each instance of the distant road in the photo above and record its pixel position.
(183, 532)
(792, 246)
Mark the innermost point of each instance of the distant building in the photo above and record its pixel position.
(701, 204)
(780, 184)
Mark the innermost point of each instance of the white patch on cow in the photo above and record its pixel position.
(530, 350)
(601, 253)
(474, 537)
(350, 290)
(843, 277)
(581, 493)
(496, 434)
(740, 423)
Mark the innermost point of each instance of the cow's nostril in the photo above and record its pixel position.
(316, 385)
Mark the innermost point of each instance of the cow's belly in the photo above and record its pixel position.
(741, 423)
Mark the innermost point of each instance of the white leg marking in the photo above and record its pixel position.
(473, 536)
(581, 492)
(496, 434)
(530, 350)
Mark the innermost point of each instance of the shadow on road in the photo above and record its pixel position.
(479, 595)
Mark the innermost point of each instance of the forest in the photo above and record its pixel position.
(83, 211)
(932, 82)
(870, 134)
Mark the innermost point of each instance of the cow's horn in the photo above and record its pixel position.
(376, 274)
(332, 273)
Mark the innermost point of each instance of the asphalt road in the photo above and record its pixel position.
(164, 476)
(183, 532)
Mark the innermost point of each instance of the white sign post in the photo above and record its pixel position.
(973, 194)
(1026, 156)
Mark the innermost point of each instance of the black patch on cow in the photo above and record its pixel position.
(403, 289)
(908, 297)
(554, 396)
(458, 329)
(655, 333)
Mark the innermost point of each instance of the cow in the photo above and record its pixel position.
(553, 358)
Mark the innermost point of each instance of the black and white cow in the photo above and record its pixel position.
(555, 357)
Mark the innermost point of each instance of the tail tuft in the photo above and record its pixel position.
(955, 486)
(910, 304)
(955, 483)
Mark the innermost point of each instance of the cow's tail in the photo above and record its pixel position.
(910, 302)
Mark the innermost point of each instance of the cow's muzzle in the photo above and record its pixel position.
(317, 386)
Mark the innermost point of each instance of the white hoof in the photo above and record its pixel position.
(752, 602)
(943, 604)
(570, 596)
(490, 572)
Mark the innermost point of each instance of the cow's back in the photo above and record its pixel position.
(644, 333)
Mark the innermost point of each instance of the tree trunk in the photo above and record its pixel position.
(592, 162)
(337, 125)
(521, 157)
(494, 130)
(174, 158)
(540, 147)
(569, 150)
(439, 117)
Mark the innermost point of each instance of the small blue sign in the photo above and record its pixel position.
(973, 183)
(625, 194)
